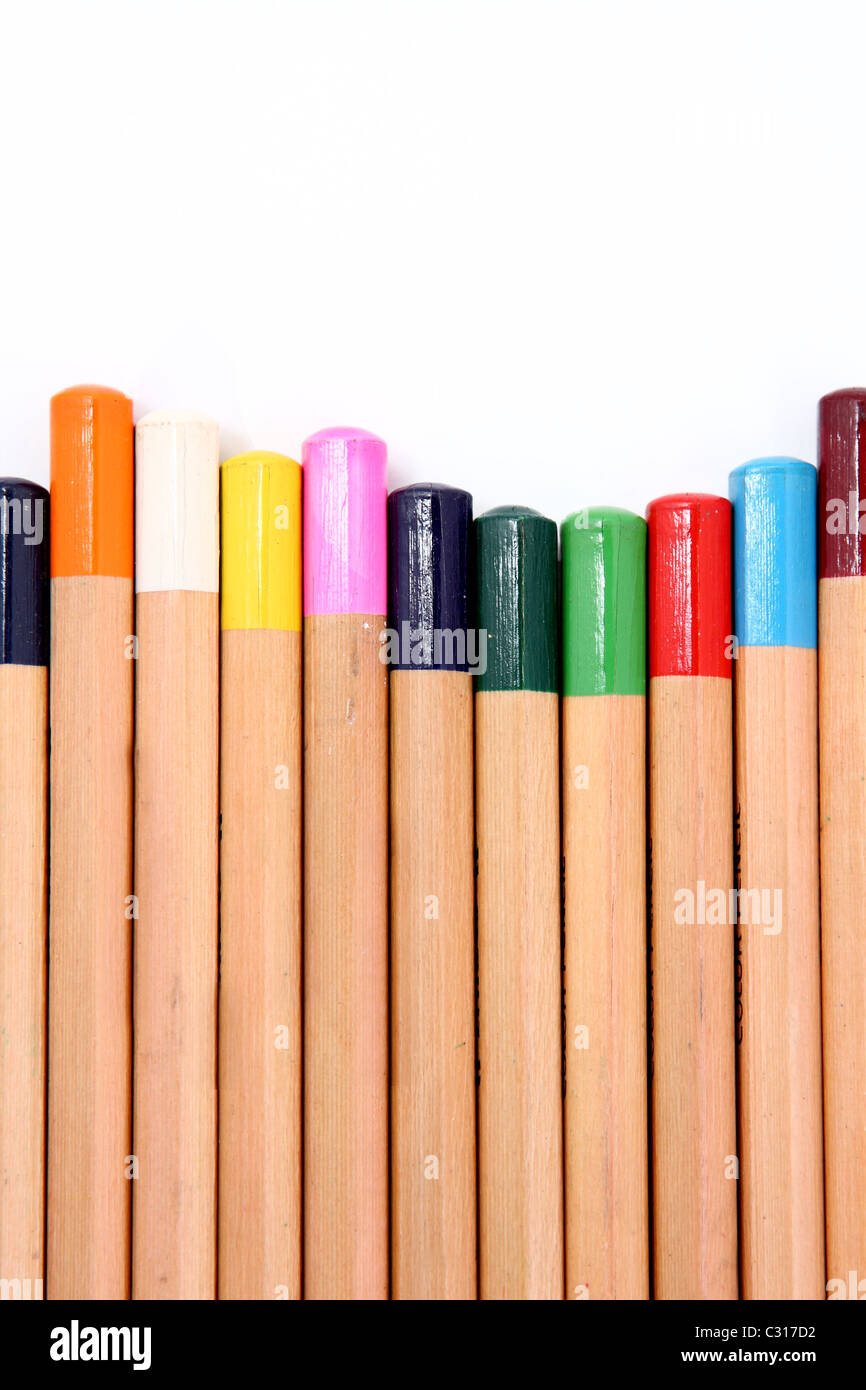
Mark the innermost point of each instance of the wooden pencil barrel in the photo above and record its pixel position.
(694, 1163)
(842, 714)
(432, 986)
(89, 1019)
(604, 851)
(23, 923)
(782, 1180)
(176, 850)
(345, 958)
(519, 995)
(260, 965)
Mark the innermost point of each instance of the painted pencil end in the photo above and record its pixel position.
(842, 483)
(177, 502)
(24, 573)
(775, 590)
(260, 542)
(689, 585)
(603, 602)
(517, 587)
(345, 522)
(429, 529)
(92, 482)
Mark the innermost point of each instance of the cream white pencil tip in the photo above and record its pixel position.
(178, 416)
(177, 502)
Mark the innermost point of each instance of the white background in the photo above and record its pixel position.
(559, 252)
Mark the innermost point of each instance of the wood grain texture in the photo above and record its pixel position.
(604, 851)
(345, 959)
(23, 927)
(260, 965)
(89, 1042)
(519, 995)
(842, 716)
(781, 1140)
(693, 1099)
(175, 972)
(432, 987)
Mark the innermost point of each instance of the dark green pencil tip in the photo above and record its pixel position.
(517, 599)
(603, 603)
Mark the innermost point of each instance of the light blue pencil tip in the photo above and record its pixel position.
(774, 503)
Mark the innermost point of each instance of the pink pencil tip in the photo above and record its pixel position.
(342, 433)
(345, 522)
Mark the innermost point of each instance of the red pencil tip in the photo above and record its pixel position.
(689, 556)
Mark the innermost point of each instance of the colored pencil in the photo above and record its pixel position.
(260, 875)
(176, 853)
(24, 599)
(90, 881)
(345, 868)
(432, 897)
(519, 928)
(604, 855)
(775, 695)
(842, 763)
(694, 1148)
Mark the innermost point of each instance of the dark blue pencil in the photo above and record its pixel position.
(429, 647)
(23, 886)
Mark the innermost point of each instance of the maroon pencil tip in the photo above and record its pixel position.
(841, 483)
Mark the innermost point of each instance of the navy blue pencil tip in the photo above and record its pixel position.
(429, 531)
(24, 573)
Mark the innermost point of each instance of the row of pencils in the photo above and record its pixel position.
(432, 909)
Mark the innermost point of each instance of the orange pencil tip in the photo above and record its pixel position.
(92, 482)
